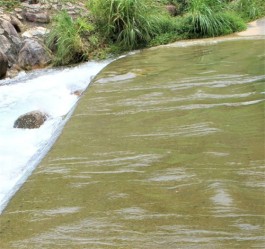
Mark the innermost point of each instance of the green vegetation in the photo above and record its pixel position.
(73, 40)
(9, 4)
(206, 18)
(249, 9)
(65, 40)
(115, 26)
(132, 24)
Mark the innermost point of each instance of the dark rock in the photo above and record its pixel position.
(3, 65)
(31, 120)
(172, 10)
(77, 93)
(33, 1)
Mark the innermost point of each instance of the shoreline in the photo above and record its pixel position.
(254, 29)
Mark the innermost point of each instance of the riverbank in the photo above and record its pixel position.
(30, 23)
(254, 28)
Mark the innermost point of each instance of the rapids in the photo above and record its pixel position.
(50, 91)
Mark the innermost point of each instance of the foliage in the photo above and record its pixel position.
(65, 39)
(9, 4)
(127, 22)
(115, 26)
(249, 9)
(211, 18)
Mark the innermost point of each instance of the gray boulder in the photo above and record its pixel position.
(31, 120)
(10, 41)
(3, 64)
(33, 55)
(9, 28)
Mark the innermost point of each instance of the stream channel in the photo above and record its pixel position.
(164, 150)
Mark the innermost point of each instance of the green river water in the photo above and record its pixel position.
(165, 150)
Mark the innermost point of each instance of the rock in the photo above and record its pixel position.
(36, 32)
(5, 43)
(31, 120)
(172, 10)
(33, 1)
(7, 21)
(13, 71)
(37, 17)
(10, 40)
(9, 28)
(77, 93)
(14, 42)
(3, 65)
(17, 24)
(10, 48)
(33, 55)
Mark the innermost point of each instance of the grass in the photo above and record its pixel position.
(9, 4)
(115, 26)
(126, 22)
(207, 18)
(249, 9)
(65, 40)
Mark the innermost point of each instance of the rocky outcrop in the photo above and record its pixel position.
(31, 120)
(33, 55)
(3, 65)
(23, 30)
(23, 51)
(10, 41)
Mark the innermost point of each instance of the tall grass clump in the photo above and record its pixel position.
(121, 21)
(132, 24)
(66, 39)
(126, 22)
(208, 18)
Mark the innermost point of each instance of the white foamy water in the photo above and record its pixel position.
(50, 91)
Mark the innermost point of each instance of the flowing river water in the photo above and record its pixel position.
(165, 150)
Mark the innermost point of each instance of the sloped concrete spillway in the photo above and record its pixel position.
(165, 150)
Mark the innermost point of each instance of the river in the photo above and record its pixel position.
(164, 150)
